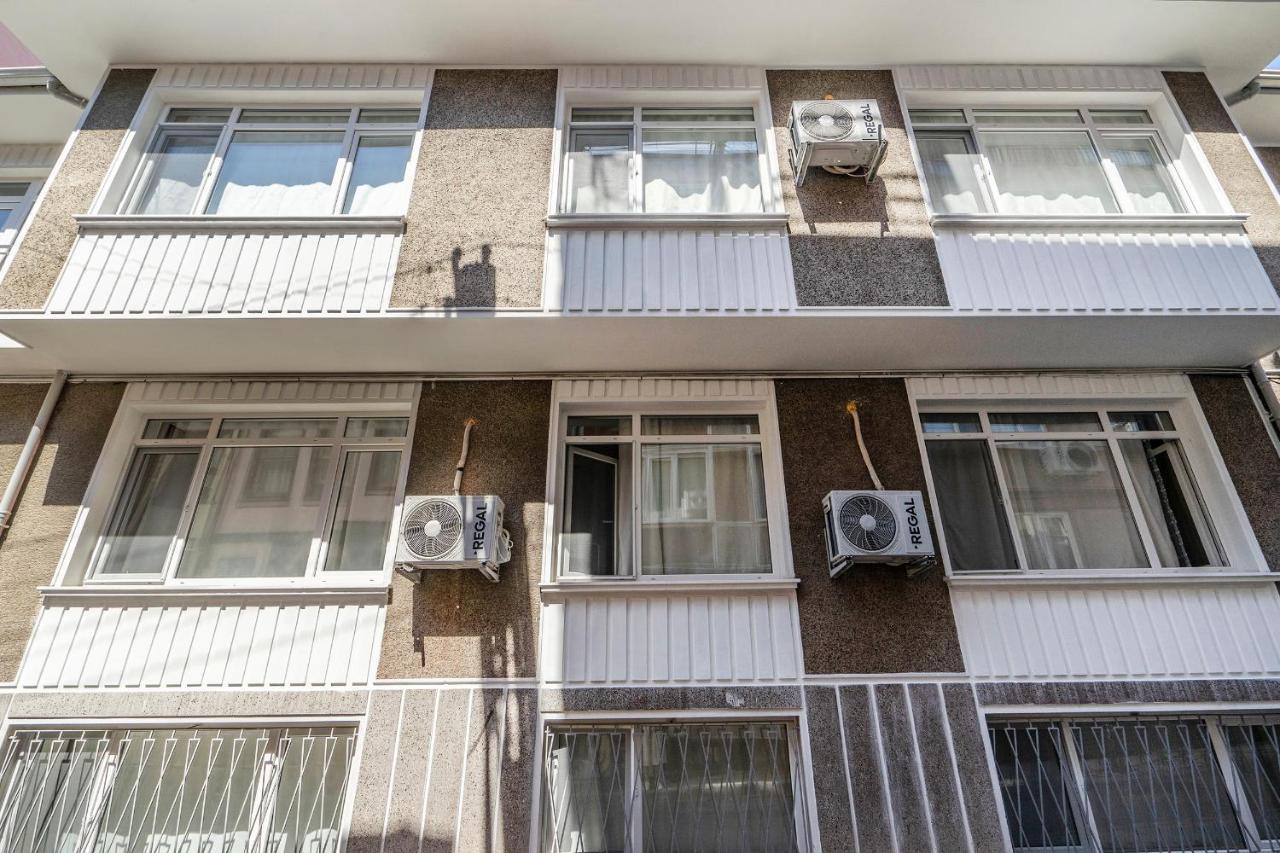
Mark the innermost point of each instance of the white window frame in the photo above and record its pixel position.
(630, 722)
(1233, 532)
(770, 451)
(263, 794)
(1085, 819)
(970, 129)
(19, 208)
(352, 129)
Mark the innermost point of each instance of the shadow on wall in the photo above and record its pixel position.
(474, 283)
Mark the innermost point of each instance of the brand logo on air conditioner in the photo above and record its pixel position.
(913, 521)
(868, 120)
(478, 526)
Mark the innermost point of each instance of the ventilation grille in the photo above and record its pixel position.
(868, 523)
(432, 529)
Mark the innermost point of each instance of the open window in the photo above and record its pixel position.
(648, 495)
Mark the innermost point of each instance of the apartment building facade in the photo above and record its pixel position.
(253, 308)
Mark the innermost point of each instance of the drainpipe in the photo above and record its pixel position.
(56, 88)
(32, 446)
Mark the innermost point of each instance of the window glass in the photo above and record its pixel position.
(703, 510)
(598, 171)
(277, 428)
(950, 422)
(1118, 117)
(393, 115)
(1036, 786)
(277, 174)
(377, 427)
(937, 117)
(379, 182)
(1047, 172)
(1069, 506)
(247, 524)
(1028, 118)
(362, 520)
(588, 793)
(596, 535)
(148, 512)
(1044, 422)
(175, 428)
(1146, 178)
(700, 425)
(701, 171)
(952, 172)
(1255, 751)
(1167, 496)
(198, 115)
(698, 115)
(1141, 421)
(602, 115)
(970, 507)
(269, 116)
(580, 425)
(14, 190)
(5, 214)
(175, 170)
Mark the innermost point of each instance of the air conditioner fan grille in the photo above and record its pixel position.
(826, 120)
(432, 529)
(868, 523)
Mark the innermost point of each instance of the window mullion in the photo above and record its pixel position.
(1135, 507)
(342, 169)
(210, 177)
(179, 543)
(1110, 171)
(636, 497)
(1086, 823)
(986, 176)
(1015, 533)
(328, 497)
(637, 163)
(635, 793)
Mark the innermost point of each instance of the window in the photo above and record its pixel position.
(670, 494)
(662, 160)
(15, 201)
(284, 497)
(1048, 490)
(1140, 785)
(276, 162)
(155, 790)
(715, 787)
(1045, 162)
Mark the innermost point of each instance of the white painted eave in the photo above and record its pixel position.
(533, 342)
(29, 115)
(1232, 40)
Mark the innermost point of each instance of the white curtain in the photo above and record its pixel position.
(701, 171)
(951, 173)
(277, 173)
(177, 170)
(1047, 172)
(1147, 183)
(378, 183)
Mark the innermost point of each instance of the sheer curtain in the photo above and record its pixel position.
(177, 170)
(969, 505)
(598, 172)
(701, 171)
(378, 183)
(277, 173)
(1047, 172)
(951, 172)
(1147, 182)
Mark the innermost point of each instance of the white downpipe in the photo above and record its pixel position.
(29, 450)
(852, 408)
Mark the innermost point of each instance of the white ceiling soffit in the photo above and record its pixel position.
(1259, 116)
(1230, 39)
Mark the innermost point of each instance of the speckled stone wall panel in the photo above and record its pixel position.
(1270, 157)
(933, 746)
(377, 767)
(449, 748)
(48, 507)
(52, 230)
(412, 759)
(865, 756)
(18, 407)
(1248, 452)
(519, 747)
(905, 784)
(1203, 691)
(854, 243)
(873, 618)
(774, 698)
(272, 702)
(456, 624)
(1234, 167)
(827, 758)
(476, 229)
(969, 744)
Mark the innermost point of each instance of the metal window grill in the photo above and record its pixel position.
(174, 791)
(703, 788)
(1140, 785)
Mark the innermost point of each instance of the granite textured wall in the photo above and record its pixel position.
(48, 507)
(901, 767)
(475, 230)
(1270, 157)
(457, 624)
(1248, 452)
(1231, 161)
(52, 229)
(19, 404)
(873, 619)
(854, 243)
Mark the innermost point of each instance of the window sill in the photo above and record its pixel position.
(144, 595)
(1117, 578)
(1117, 221)
(115, 224)
(655, 220)
(591, 587)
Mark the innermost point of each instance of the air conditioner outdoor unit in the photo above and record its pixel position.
(875, 527)
(452, 532)
(1068, 458)
(846, 137)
